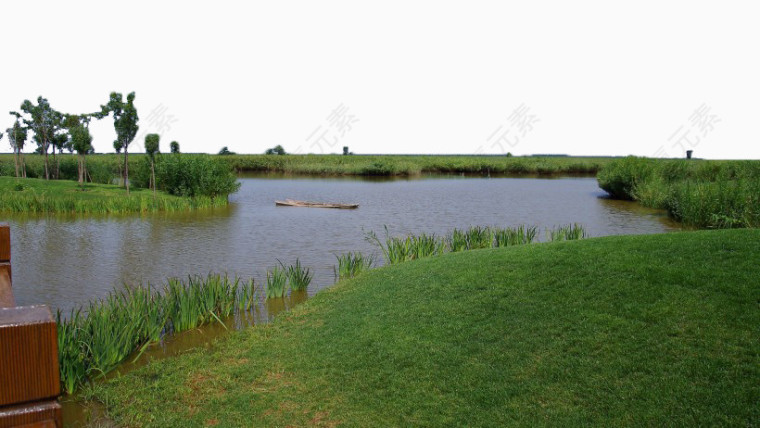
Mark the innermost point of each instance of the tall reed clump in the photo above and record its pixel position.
(277, 283)
(352, 264)
(515, 236)
(299, 277)
(473, 238)
(93, 340)
(398, 250)
(569, 232)
(699, 193)
(411, 247)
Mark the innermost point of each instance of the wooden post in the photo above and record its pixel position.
(6, 293)
(29, 377)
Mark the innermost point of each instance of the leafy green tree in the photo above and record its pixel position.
(174, 146)
(81, 142)
(17, 137)
(44, 122)
(151, 148)
(225, 151)
(125, 123)
(276, 150)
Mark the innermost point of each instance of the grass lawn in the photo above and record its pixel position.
(635, 330)
(65, 196)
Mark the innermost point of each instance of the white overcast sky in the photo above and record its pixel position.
(649, 78)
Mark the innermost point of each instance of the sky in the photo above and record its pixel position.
(647, 78)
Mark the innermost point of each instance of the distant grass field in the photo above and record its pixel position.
(104, 167)
(33, 195)
(657, 330)
(390, 165)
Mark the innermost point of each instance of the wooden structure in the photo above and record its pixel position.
(29, 377)
(294, 203)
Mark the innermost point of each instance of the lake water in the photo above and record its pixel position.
(65, 261)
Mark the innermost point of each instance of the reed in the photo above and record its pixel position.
(515, 236)
(127, 321)
(277, 283)
(567, 233)
(299, 277)
(401, 165)
(479, 237)
(699, 193)
(457, 240)
(425, 245)
(352, 264)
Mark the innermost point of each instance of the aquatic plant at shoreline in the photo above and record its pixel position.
(95, 338)
(352, 264)
(299, 277)
(569, 232)
(277, 283)
(515, 236)
(698, 193)
(400, 249)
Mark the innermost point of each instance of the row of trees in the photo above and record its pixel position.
(59, 131)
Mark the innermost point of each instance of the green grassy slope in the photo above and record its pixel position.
(634, 330)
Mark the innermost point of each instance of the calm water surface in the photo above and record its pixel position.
(65, 261)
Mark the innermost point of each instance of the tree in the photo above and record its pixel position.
(81, 142)
(276, 150)
(44, 121)
(174, 146)
(17, 137)
(151, 148)
(125, 123)
(226, 151)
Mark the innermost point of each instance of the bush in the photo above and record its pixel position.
(198, 175)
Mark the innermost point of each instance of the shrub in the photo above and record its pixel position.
(199, 175)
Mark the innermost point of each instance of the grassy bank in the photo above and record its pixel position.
(705, 194)
(635, 330)
(33, 195)
(389, 165)
(103, 167)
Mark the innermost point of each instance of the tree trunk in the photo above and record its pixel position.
(80, 166)
(23, 165)
(45, 149)
(16, 159)
(126, 169)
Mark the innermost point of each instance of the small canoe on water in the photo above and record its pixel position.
(294, 203)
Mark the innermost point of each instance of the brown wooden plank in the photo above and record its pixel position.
(28, 355)
(5, 242)
(45, 414)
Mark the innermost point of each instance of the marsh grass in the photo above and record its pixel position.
(62, 196)
(698, 193)
(277, 282)
(515, 236)
(352, 264)
(569, 232)
(411, 247)
(299, 277)
(97, 337)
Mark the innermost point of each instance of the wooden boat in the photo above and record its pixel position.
(294, 203)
